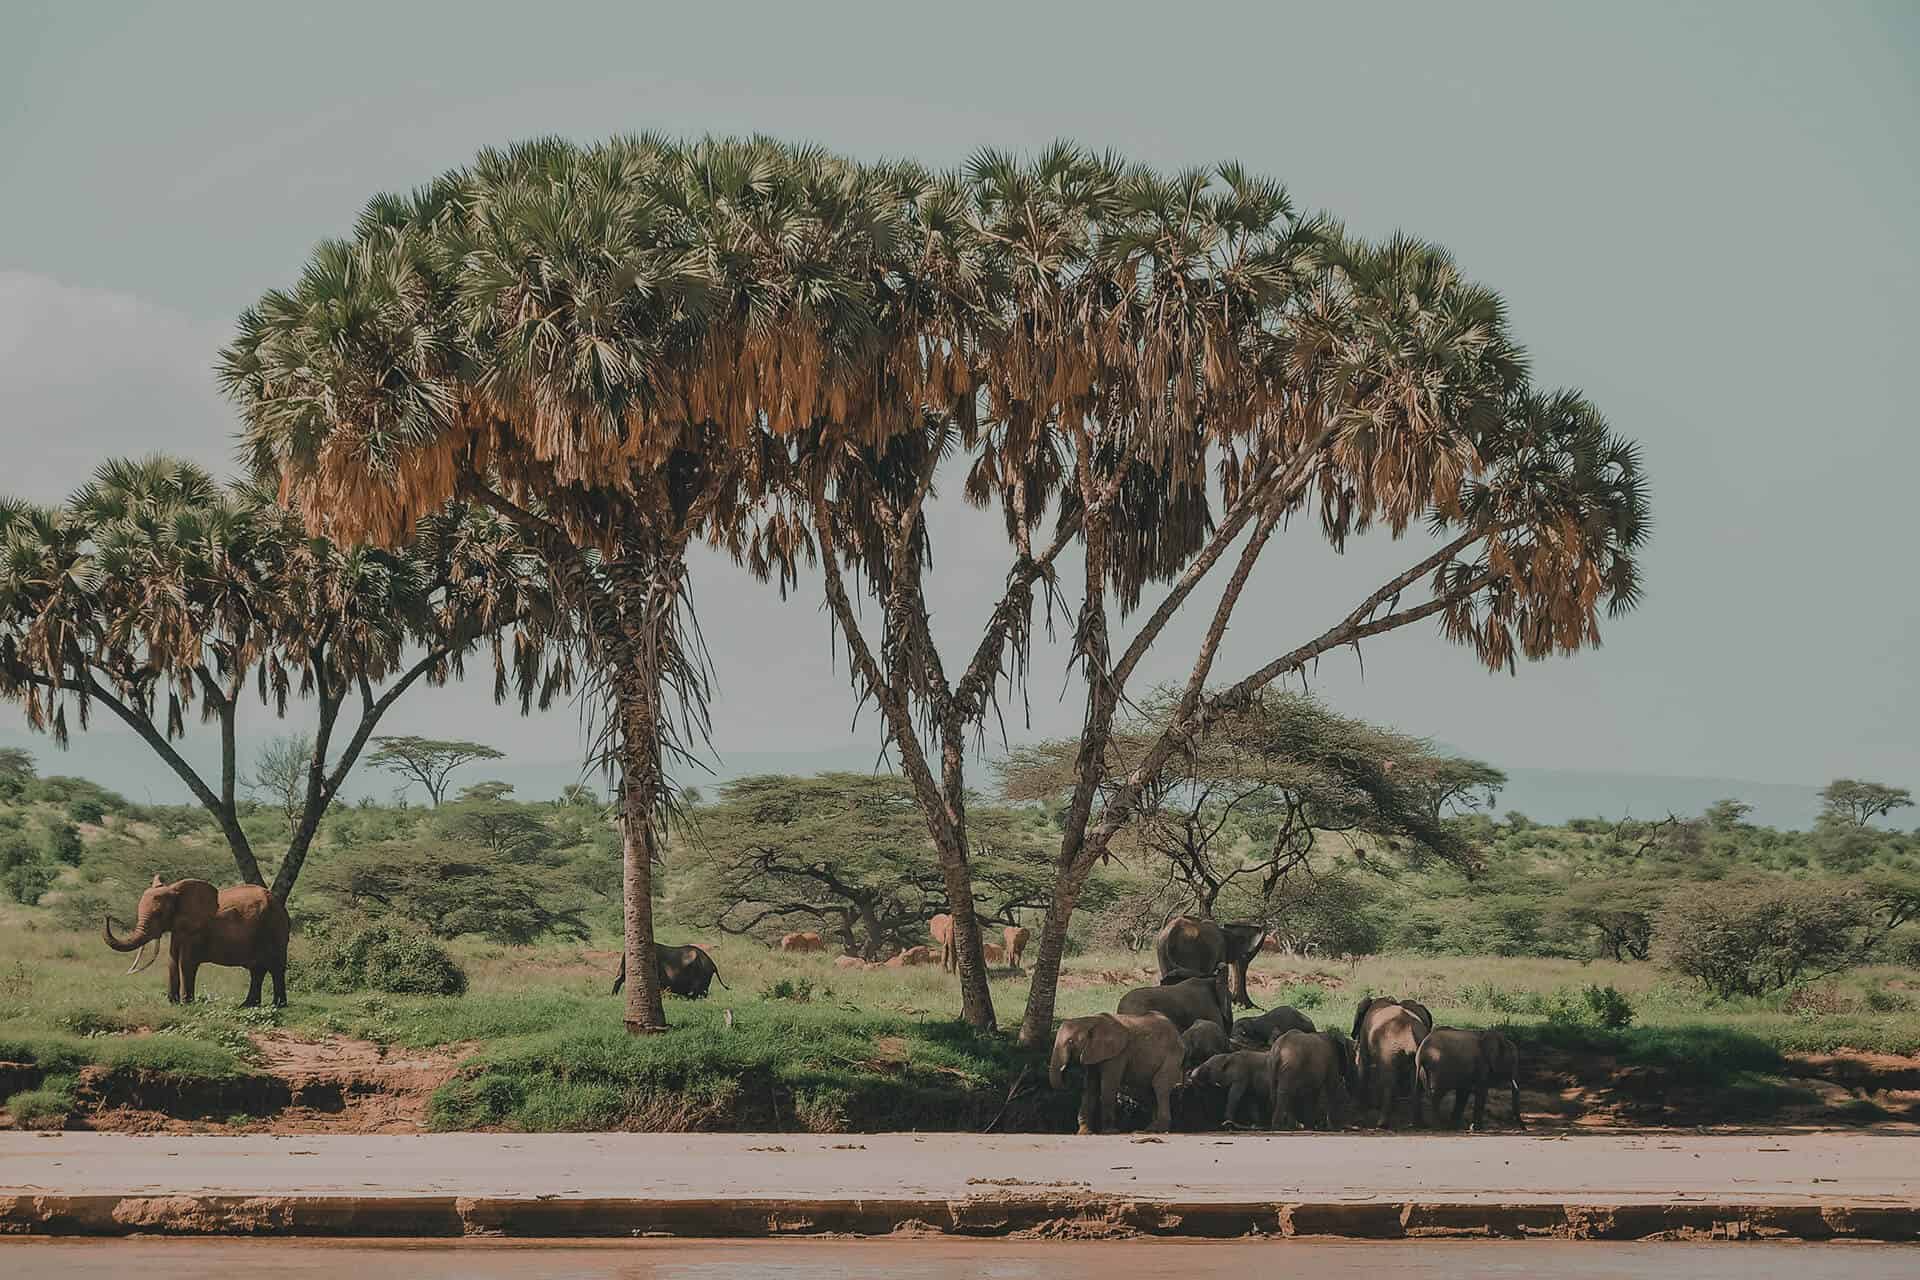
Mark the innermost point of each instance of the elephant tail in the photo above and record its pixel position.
(716, 969)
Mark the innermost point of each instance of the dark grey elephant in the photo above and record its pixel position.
(1194, 944)
(1140, 1052)
(1271, 1025)
(1202, 1040)
(1243, 1074)
(684, 971)
(1185, 1000)
(1460, 1062)
(1306, 1070)
(1387, 1034)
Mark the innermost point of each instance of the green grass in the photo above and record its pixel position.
(544, 1048)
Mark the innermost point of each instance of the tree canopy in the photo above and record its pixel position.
(155, 588)
(428, 761)
(1858, 803)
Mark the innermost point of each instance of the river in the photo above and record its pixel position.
(939, 1259)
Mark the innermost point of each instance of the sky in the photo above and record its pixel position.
(1703, 216)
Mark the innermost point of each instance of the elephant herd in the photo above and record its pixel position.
(1182, 1034)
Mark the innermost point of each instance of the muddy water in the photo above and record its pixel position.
(942, 1260)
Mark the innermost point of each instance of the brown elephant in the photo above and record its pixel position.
(1015, 939)
(808, 941)
(993, 953)
(1242, 1073)
(1185, 1000)
(1119, 1050)
(1197, 945)
(1263, 1030)
(941, 927)
(1461, 1062)
(1305, 1069)
(1201, 1041)
(682, 971)
(244, 926)
(1387, 1034)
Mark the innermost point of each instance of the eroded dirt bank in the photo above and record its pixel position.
(1798, 1186)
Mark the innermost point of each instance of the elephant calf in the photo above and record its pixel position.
(1463, 1062)
(1305, 1070)
(1134, 1051)
(683, 971)
(1202, 1040)
(1243, 1073)
(1271, 1025)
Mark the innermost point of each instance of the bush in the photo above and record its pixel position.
(85, 809)
(26, 881)
(1608, 1007)
(64, 846)
(379, 956)
(1748, 938)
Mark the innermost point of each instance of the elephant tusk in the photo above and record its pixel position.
(138, 956)
(150, 959)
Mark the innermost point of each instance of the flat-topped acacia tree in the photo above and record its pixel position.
(604, 344)
(155, 589)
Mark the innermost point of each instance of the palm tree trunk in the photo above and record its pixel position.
(640, 792)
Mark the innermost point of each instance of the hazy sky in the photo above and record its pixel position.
(1705, 216)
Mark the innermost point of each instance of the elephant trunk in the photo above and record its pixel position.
(1058, 1063)
(134, 941)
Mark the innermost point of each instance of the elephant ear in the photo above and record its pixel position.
(1502, 1059)
(1105, 1038)
(1419, 1011)
(195, 901)
(1360, 1014)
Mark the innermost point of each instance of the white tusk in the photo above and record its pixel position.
(137, 957)
(150, 959)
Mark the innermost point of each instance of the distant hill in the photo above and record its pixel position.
(119, 761)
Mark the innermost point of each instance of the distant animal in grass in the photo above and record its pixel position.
(808, 941)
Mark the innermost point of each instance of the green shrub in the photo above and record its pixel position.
(44, 1108)
(382, 955)
(798, 990)
(1881, 1000)
(1747, 938)
(64, 845)
(27, 881)
(1608, 1007)
(85, 809)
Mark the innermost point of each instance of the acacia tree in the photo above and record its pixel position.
(846, 852)
(154, 588)
(1244, 809)
(428, 761)
(601, 344)
(1859, 803)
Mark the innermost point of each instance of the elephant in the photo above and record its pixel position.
(1305, 1070)
(1387, 1035)
(1119, 1050)
(685, 971)
(1186, 1000)
(992, 953)
(1263, 1030)
(1015, 940)
(808, 941)
(1202, 1041)
(244, 926)
(1199, 945)
(941, 927)
(1242, 1072)
(1464, 1062)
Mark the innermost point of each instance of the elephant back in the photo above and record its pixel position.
(1190, 943)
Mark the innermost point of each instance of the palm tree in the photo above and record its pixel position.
(154, 588)
(600, 345)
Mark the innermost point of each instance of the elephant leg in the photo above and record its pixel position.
(189, 977)
(173, 973)
(1326, 1108)
(280, 985)
(1235, 1092)
(1479, 1108)
(1459, 1107)
(1162, 1106)
(1089, 1101)
(1109, 1096)
(1518, 1122)
(255, 977)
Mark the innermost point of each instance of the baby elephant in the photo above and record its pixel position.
(1306, 1068)
(1202, 1040)
(1243, 1073)
(1275, 1022)
(1466, 1062)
